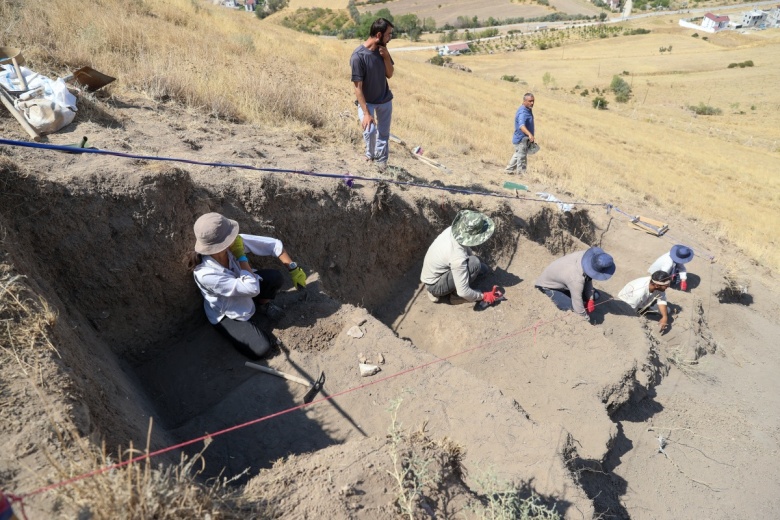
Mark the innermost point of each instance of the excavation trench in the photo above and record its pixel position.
(108, 252)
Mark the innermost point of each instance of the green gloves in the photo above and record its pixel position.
(298, 278)
(238, 249)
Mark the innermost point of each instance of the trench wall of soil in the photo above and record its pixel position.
(110, 247)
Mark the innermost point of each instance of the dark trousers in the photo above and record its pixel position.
(446, 284)
(560, 297)
(247, 336)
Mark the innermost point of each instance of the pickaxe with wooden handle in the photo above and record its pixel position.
(315, 386)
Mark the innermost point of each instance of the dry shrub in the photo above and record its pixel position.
(143, 490)
(427, 473)
(26, 320)
(736, 284)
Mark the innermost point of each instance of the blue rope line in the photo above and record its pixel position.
(72, 149)
(339, 176)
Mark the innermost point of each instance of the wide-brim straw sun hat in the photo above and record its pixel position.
(597, 264)
(681, 254)
(472, 228)
(214, 233)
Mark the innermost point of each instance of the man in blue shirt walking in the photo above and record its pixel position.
(523, 137)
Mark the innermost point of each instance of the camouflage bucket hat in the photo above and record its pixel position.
(532, 148)
(471, 228)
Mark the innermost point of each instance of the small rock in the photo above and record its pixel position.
(368, 370)
(355, 332)
(362, 358)
(380, 359)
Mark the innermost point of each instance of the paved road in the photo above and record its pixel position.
(530, 28)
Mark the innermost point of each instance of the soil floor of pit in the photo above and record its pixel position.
(579, 412)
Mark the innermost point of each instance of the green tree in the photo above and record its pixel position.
(383, 13)
(599, 103)
(268, 7)
(621, 89)
(405, 23)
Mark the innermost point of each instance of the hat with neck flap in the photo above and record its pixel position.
(472, 228)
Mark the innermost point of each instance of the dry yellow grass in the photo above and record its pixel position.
(330, 4)
(225, 62)
(444, 11)
(721, 170)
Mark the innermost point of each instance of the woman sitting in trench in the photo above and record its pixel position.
(232, 290)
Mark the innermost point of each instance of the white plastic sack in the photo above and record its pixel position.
(60, 94)
(46, 116)
(53, 107)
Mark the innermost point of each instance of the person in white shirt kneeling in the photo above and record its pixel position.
(232, 291)
(647, 295)
(673, 264)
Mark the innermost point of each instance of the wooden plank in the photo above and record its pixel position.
(648, 225)
(9, 104)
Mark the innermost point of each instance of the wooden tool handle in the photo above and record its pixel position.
(276, 373)
(9, 104)
(18, 70)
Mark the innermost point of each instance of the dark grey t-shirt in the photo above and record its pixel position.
(369, 67)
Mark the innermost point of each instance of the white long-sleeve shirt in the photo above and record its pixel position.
(666, 264)
(228, 292)
(637, 294)
(445, 255)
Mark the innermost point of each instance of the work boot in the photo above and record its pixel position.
(271, 311)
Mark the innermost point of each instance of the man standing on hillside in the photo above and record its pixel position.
(372, 66)
(523, 138)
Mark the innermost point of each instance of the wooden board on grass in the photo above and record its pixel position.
(648, 225)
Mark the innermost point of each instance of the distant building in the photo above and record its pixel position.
(453, 49)
(710, 23)
(754, 18)
(774, 17)
(714, 23)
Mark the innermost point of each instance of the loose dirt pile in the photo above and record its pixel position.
(612, 418)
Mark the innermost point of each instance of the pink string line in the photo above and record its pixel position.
(139, 458)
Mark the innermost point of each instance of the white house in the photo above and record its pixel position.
(774, 17)
(453, 49)
(753, 18)
(714, 23)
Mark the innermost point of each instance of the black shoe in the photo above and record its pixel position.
(271, 311)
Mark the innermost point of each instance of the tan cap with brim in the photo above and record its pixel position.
(214, 233)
